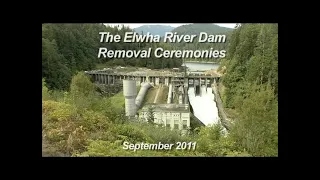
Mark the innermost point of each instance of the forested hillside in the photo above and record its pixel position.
(69, 48)
(154, 29)
(251, 87)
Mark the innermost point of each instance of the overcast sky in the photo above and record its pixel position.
(229, 25)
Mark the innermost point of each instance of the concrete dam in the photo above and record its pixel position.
(195, 89)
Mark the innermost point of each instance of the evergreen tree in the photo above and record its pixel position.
(151, 114)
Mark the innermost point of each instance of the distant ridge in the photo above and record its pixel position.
(197, 28)
(154, 29)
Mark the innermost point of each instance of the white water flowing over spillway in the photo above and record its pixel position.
(204, 106)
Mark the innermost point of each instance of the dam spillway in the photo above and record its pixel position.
(204, 106)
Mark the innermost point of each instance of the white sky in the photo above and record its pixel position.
(133, 25)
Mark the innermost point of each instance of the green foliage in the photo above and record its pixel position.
(251, 88)
(101, 148)
(130, 133)
(256, 130)
(66, 49)
(212, 141)
(60, 126)
(54, 70)
(117, 102)
(90, 133)
(151, 114)
(81, 85)
(45, 91)
(115, 149)
(58, 111)
(253, 57)
(160, 134)
(82, 91)
(94, 121)
(57, 95)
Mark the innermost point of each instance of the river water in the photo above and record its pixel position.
(204, 106)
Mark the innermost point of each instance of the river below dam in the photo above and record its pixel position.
(204, 106)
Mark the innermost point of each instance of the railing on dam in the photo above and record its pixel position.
(107, 77)
(157, 74)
